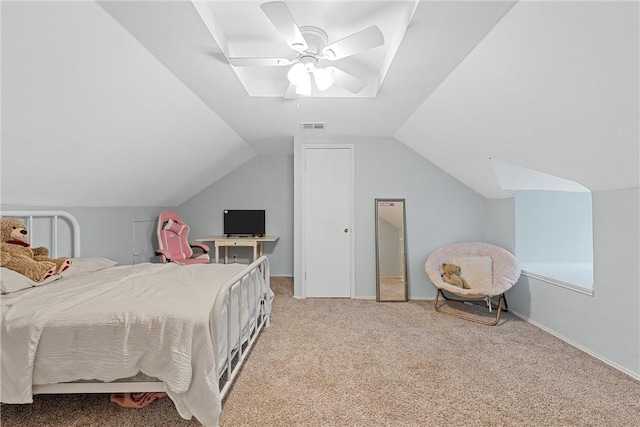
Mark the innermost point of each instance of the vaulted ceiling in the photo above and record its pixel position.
(100, 100)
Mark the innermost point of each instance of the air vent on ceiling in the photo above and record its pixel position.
(312, 126)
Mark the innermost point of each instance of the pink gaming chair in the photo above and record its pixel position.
(174, 246)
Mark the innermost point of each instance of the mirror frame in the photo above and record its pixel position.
(377, 242)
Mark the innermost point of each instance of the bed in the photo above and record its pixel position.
(107, 328)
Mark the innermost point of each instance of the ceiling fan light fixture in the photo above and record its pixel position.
(304, 88)
(311, 46)
(323, 78)
(298, 74)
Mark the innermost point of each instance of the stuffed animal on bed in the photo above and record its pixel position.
(451, 275)
(17, 255)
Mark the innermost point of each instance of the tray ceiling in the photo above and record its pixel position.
(241, 29)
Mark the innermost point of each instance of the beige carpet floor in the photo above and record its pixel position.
(333, 362)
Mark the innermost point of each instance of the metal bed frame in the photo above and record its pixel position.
(238, 287)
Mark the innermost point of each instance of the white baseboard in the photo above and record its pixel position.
(633, 375)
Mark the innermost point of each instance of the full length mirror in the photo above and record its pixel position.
(391, 253)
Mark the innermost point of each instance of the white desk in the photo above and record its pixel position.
(223, 241)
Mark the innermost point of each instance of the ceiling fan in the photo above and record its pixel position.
(311, 48)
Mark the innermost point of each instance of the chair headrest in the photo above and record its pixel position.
(174, 227)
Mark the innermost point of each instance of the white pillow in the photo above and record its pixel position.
(86, 265)
(12, 281)
(476, 270)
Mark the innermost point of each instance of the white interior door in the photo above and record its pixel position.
(327, 222)
(144, 241)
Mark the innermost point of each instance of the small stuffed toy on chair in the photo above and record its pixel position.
(17, 255)
(451, 275)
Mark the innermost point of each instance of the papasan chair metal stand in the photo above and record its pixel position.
(505, 274)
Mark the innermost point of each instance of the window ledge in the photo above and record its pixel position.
(559, 283)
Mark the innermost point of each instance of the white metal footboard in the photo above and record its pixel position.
(252, 287)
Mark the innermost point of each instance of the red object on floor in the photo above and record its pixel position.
(135, 400)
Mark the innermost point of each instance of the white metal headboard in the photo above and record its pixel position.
(54, 217)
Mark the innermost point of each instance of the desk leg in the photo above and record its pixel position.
(255, 250)
(226, 254)
(217, 249)
(259, 248)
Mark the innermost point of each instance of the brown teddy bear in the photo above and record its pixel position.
(451, 275)
(16, 254)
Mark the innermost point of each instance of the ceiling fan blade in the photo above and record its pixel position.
(362, 40)
(260, 62)
(346, 80)
(281, 17)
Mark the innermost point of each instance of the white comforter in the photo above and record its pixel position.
(165, 310)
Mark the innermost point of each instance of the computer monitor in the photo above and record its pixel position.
(244, 222)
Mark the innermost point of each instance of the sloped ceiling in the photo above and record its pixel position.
(91, 118)
(101, 101)
(553, 88)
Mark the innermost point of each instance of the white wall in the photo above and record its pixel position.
(264, 182)
(554, 226)
(606, 324)
(501, 223)
(106, 232)
(439, 208)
